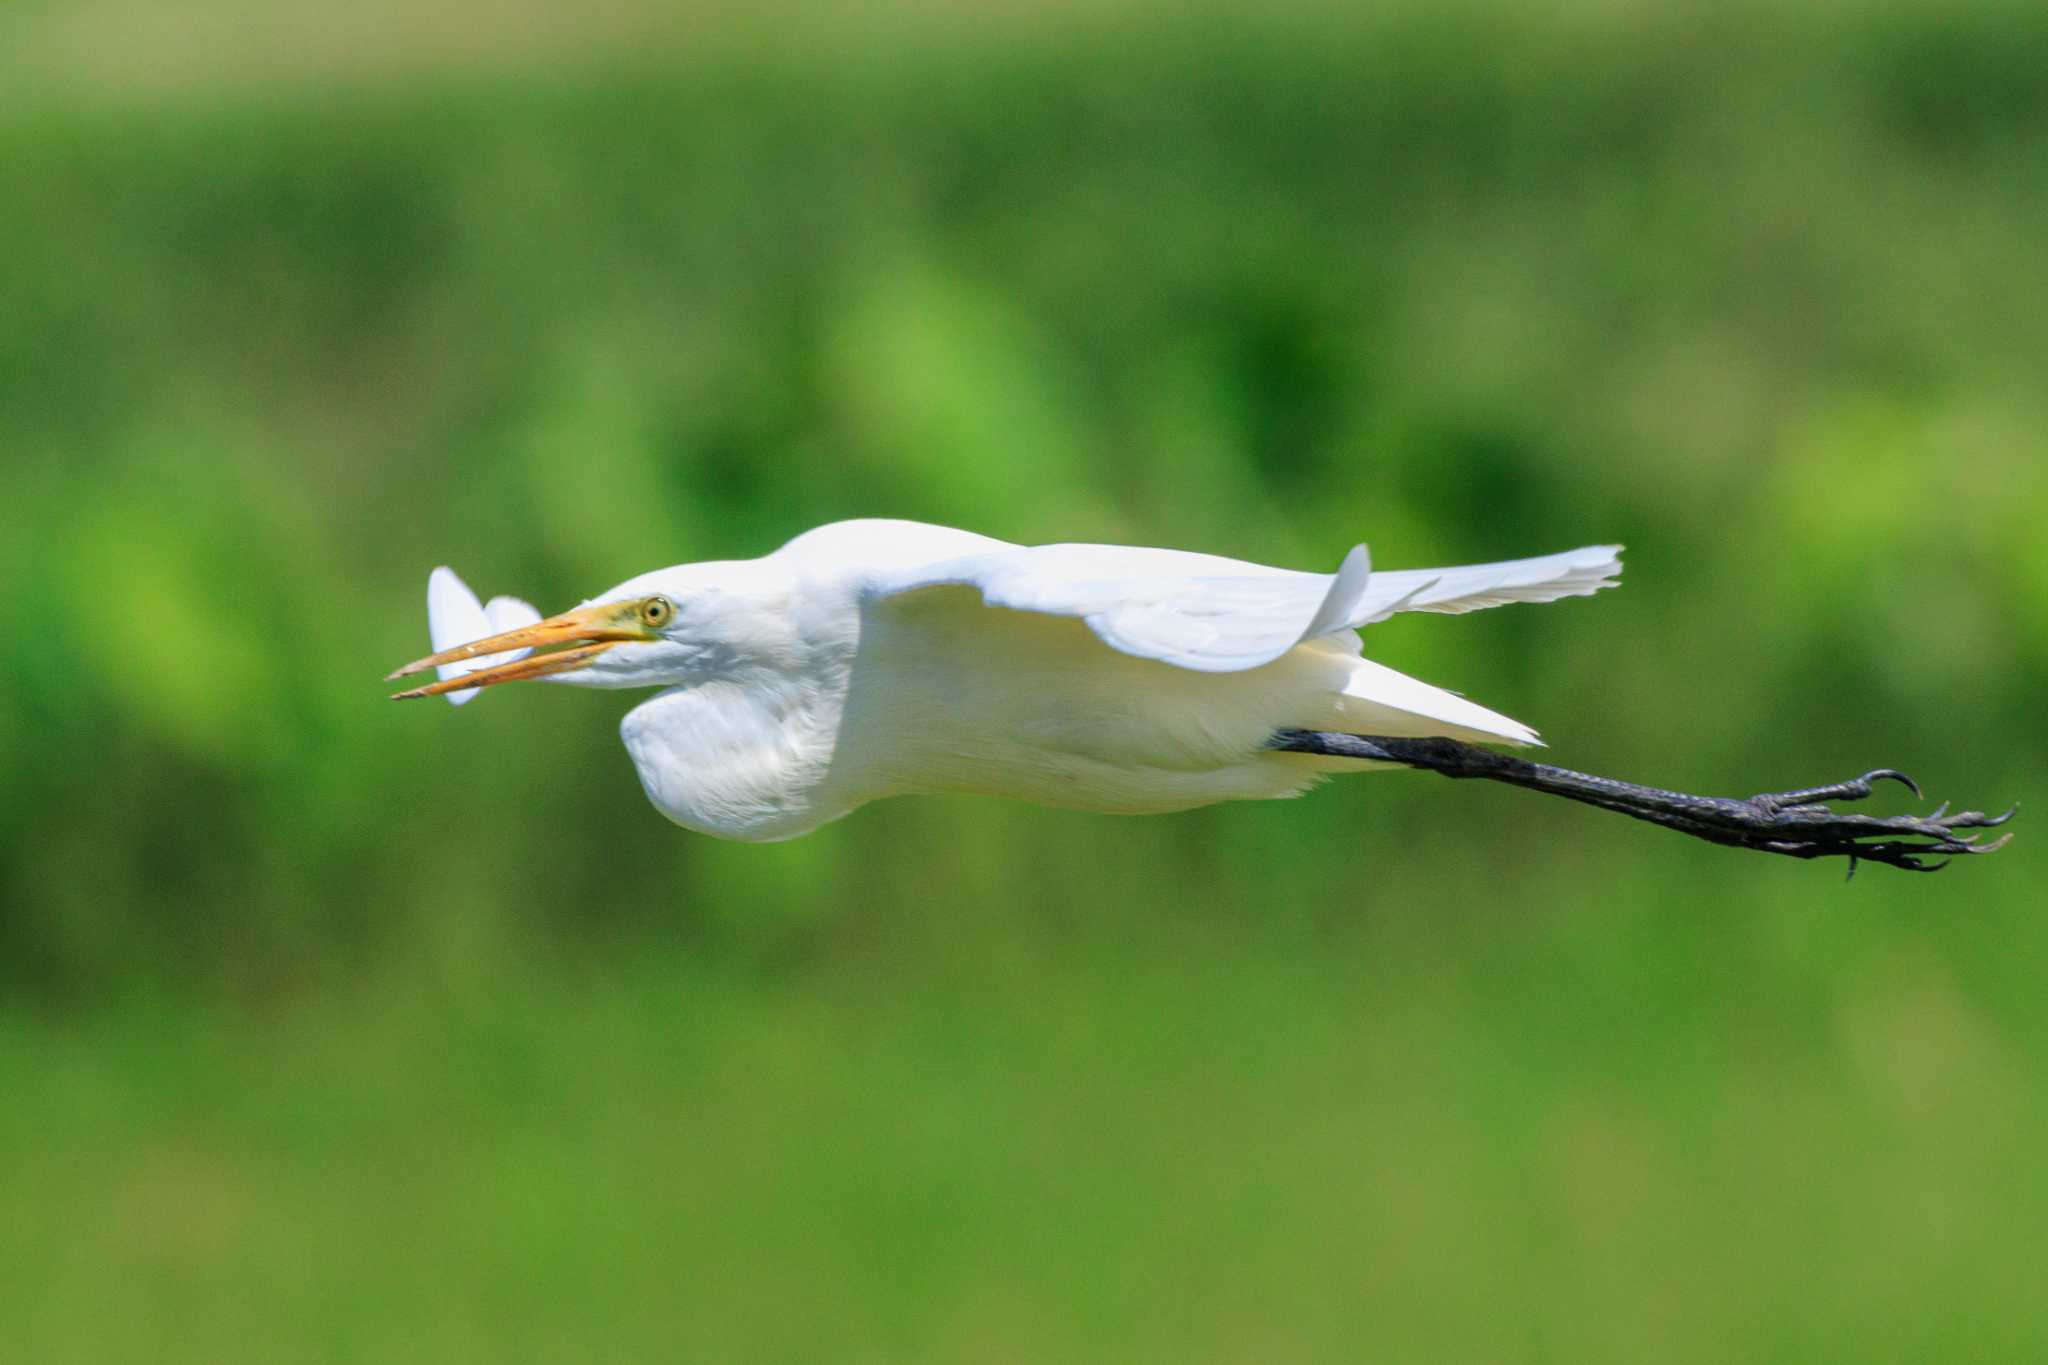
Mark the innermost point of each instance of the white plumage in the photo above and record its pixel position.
(455, 617)
(1219, 615)
(876, 658)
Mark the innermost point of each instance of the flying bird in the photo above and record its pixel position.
(868, 659)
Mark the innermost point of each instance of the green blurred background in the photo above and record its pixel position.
(334, 1030)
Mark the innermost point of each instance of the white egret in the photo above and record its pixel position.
(867, 659)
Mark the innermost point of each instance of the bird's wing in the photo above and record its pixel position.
(455, 617)
(1220, 615)
(1574, 573)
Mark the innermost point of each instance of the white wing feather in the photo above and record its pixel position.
(455, 617)
(1575, 573)
(1217, 615)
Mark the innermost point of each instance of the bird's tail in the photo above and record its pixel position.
(1376, 700)
(455, 617)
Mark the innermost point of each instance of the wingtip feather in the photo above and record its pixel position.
(454, 617)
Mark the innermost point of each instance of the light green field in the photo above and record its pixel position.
(1789, 1132)
(334, 1030)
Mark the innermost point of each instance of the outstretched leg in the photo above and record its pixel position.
(1797, 824)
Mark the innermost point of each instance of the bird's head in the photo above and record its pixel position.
(664, 628)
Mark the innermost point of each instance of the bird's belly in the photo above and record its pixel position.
(1073, 781)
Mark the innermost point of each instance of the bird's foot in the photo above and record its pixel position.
(1800, 824)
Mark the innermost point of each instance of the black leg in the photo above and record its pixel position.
(1797, 824)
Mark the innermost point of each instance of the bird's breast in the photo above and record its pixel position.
(738, 761)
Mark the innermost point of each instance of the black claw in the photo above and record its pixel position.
(1977, 819)
(1854, 789)
(1801, 825)
(1926, 843)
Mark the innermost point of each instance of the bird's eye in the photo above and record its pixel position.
(656, 611)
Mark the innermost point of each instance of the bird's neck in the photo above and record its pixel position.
(742, 757)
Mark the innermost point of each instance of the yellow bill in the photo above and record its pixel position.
(570, 640)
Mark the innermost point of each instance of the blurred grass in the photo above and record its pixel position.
(331, 1029)
(1652, 1143)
